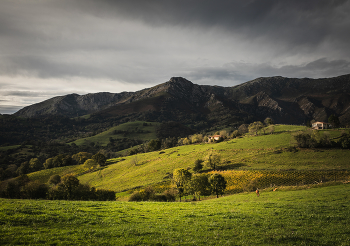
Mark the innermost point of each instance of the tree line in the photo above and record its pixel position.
(67, 187)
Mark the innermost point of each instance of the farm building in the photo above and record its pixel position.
(321, 125)
(215, 137)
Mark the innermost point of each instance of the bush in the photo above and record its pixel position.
(135, 197)
(198, 165)
(55, 179)
(34, 190)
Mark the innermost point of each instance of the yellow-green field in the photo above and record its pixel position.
(250, 153)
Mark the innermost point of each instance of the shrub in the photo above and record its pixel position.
(198, 165)
(55, 179)
(34, 190)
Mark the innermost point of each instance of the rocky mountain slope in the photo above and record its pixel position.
(286, 100)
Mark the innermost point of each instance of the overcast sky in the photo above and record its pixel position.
(58, 47)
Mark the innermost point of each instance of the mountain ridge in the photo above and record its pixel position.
(286, 100)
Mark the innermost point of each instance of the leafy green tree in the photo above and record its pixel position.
(268, 121)
(90, 164)
(23, 169)
(198, 165)
(69, 183)
(186, 141)
(54, 179)
(35, 164)
(197, 138)
(334, 120)
(199, 186)
(243, 129)
(99, 158)
(255, 127)
(271, 129)
(48, 163)
(218, 184)
(181, 177)
(154, 145)
(213, 160)
(34, 190)
(81, 157)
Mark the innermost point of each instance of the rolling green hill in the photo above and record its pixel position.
(251, 153)
(134, 130)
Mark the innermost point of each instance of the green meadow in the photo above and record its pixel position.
(266, 152)
(317, 216)
(269, 152)
(132, 130)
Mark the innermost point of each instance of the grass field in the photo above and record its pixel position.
(133, 130)
(267, 152)
(318, 216)
(255, 153)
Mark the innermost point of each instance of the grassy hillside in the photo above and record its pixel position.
(267, 152)
(317, 216)
(133, 130)
(250, 153)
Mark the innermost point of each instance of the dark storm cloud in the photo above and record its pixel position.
(231, 73)
(139, 43)
(51, 38)
(294, 22)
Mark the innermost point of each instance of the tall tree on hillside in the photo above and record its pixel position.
(268, 121)
(35, 164)
(69, 183)
(199, 186)
(100, 159)
(334, 120)
(213, 160)
(198, 165)
(255, 127)
(181, 177)
(154, 145)
(218, 184)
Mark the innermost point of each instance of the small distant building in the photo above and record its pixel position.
(215, 137)
(321, 125)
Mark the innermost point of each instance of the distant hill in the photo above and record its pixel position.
(286, 100)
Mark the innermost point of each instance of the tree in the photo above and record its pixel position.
(35, 164)
(48, 163)
(255, 127)
(69, 183)
(23, 169)
(243, 128)
(198, 165)
(199, 186)
(197, 138)
(100, 159)
(213, 160)
(186, 141)
(134, 160)
(268, 121)
(218, 184)
(181, 177)
(154, 145)
(81, 157)
(271, 129)
(54, 179)
(334, 120)
(90, 164)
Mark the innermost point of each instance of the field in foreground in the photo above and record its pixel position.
(318, 216)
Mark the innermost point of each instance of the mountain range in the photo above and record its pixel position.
(285, 100)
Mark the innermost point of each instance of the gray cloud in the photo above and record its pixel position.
(223, 42)
(9, 109)
(233, 73)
